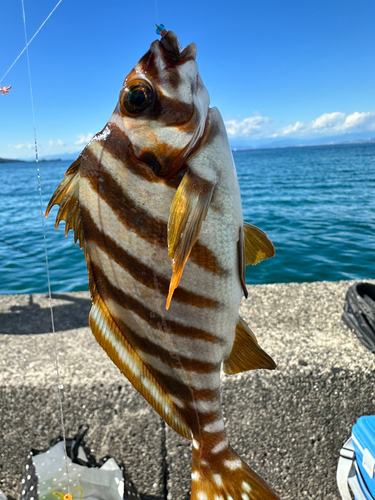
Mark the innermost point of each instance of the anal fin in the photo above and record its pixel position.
(110, 338)
(246, 353)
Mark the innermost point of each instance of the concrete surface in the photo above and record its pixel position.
(288, 424)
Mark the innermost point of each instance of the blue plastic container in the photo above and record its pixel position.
(363, 437)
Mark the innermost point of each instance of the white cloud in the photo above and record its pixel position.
(330, 124)
(337, 123)
(27, 145)
(363, 121)
(254, 127)
(45, 148)
(59, 142)
(84, 139)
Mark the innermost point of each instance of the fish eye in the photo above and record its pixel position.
(136, 98)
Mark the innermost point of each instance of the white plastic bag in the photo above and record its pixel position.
(46, 476)
(92, 484)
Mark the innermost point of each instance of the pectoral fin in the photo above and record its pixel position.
(188, 211)
(113, 341)
(257, 245)
(246, 353)
(66, 196)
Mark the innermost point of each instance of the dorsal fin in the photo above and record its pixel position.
(257, 245)
(246, 353)
(66, 196)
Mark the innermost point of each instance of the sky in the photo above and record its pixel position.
(280, 72)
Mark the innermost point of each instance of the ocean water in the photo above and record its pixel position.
(317, 205)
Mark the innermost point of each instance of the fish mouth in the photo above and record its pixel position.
(172, 49)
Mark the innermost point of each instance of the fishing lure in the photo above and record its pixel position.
(160, 30)
(5, 90)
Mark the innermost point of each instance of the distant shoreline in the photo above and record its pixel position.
(299, 146)
(5, 160)
(360, 142)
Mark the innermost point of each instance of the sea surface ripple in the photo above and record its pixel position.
(317, 205)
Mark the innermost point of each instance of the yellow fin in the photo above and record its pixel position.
(257, 245)
(66, 196)
(112, 340)
(246, 353)
(188, 211)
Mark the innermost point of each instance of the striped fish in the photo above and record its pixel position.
(155, 202)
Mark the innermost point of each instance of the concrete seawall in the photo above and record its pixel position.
(288, 424)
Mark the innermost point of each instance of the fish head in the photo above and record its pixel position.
(163, 106)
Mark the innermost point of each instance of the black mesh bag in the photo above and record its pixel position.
(359, 312)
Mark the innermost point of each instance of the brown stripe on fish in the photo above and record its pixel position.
(211, 446)
(169, 111)
(123, 355)
(204, 406)
(117, 143)
(186, 393)
(171, 53)
(147, 66)
(134, 217)
(145, 164)
(205, 421)
(139, 271)
(204, 258)
(173, 75)
(172, 112)
(109, 291)
(129, 213)
(146, 63)
(151, 165)
(193, 348)
(199, 422)
(195, 380)
(146, 345)
(160, 159)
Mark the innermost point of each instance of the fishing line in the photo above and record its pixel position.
(59, 385)
(32, 38)
(156, 11)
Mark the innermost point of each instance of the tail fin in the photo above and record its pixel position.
(226, 477)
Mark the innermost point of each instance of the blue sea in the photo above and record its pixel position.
(317, 205)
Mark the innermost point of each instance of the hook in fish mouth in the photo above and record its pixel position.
(172, 49)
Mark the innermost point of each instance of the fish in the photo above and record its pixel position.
(154, 200)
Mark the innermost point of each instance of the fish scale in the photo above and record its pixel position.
(154, 200)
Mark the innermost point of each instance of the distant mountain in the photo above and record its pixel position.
(60, 157)
(64, 157)
(238, 144)
(5, 160)
(358, 138)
